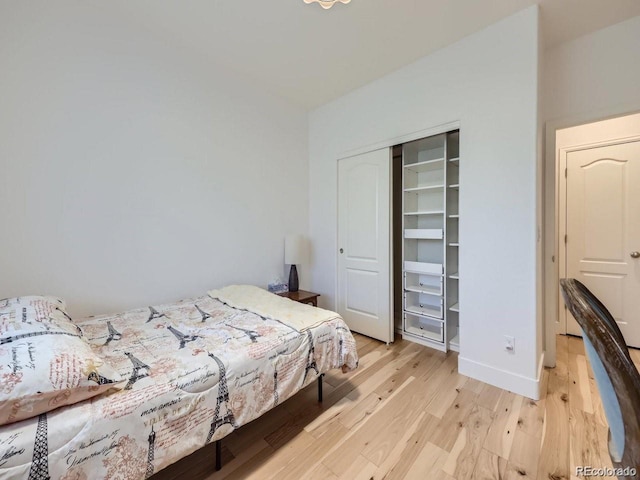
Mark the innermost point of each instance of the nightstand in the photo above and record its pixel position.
(302, 297)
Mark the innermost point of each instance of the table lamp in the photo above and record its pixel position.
(294, 253)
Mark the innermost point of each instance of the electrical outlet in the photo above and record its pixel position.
(510, 344)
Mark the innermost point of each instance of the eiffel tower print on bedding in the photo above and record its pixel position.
(195, 370)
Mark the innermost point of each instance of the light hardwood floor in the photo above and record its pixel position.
(406, 413)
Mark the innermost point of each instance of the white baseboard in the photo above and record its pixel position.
(525, 386)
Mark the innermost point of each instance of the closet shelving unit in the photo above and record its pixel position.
(430, 186)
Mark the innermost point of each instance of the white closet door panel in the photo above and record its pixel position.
(364, 230)
(603, 230)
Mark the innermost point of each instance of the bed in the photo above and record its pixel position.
(182, 375)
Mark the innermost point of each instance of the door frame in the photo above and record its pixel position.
(561, 325)
(388, 143)
(550, 197)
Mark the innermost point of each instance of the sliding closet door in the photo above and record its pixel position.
(364, 232)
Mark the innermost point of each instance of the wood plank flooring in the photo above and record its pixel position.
(406, 413)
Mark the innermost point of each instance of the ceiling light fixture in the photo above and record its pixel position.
(326, 3)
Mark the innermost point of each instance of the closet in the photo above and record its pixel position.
(398, 241)
(426, 242)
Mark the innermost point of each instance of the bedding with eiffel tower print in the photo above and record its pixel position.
(191, 372)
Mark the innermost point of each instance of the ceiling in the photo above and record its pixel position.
(310, 56)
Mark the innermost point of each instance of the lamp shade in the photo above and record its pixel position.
(294, 249)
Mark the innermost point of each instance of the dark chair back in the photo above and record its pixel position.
(617, 377)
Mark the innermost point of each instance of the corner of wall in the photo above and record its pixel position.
(525, 386)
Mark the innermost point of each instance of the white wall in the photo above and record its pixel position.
(591, 78)
(594, 74)
(132, 173)
(490, 85)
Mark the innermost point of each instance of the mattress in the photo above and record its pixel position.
(195, 370)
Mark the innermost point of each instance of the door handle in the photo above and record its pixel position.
(342, 251)
(635, 254)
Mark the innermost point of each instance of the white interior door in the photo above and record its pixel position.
(603, 230)
(364, 231)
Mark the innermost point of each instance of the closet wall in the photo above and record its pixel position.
(491, 87)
